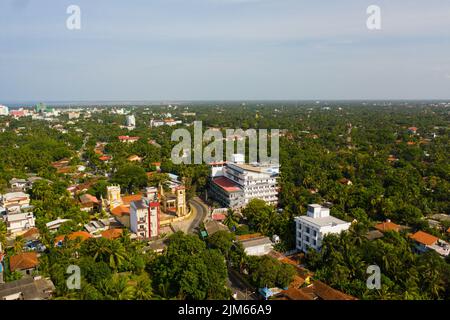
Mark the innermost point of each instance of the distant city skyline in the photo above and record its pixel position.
(179, 50)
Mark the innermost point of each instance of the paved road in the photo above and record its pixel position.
(191, 224)
(239, 289)
(200, 212)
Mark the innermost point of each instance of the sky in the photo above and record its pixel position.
(223, 50)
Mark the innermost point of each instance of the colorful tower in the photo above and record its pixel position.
(113, 196)
(180, 193)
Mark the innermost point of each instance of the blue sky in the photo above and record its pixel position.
(224, 49)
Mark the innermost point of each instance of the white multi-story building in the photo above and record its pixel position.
(14, 198)
(19, 219)
(235, 183)
(131, 121)
(312, 228)
(4, 111)
(144, 215)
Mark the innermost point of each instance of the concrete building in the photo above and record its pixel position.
(14, 198)
(144, 215)
(312, 228)
(234, 184)
(28, 288)
(4, 111)
(131, 121)
(425, 242)
(256, 246)
(19, 219)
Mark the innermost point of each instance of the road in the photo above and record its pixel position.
(191, 224)
(199, 214)
(239, 289)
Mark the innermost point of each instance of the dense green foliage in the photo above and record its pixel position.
(344, 259)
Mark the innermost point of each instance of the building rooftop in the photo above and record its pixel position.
(120, 211)
(15, 195)
(128, 199)
(328, 221)
(387, 226)
(139, 204)
(27, 289)
(226, 184)
(213, 226)
(424, 238)
(82, 235)
(255, 242)
(112, 234)
(87, 198)
(23, 261)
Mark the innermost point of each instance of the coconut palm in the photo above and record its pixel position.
(19, 243)
(143, 287)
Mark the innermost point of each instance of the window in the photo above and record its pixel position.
(314, 242)
(307, 239)
(315, 233)
(307, 230)
(299, 226)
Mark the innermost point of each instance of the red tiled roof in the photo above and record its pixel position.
(296, 294)
(387, 226)
(104, 158)
(424, 238)
(120, 211)
(218, 216)
(127, 200)
(27, 260)
(82, 235)
(226, 184)
(126, 138)
(326, 292)
(30, 233)
(88, 198)
(112, 234)
(64, 170)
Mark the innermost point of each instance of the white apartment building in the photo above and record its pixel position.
(312, 228)
(4, 111)
(19, 220)
(14, 198)
(144, 218)
(235, 183)
(131, 121)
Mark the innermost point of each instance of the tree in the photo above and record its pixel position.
(188, 270)
(19, 243)
(223, 241)
(143, 287)
(268, 272)
(130, 177)
(261, 217)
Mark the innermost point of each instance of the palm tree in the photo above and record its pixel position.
(117, 254)
(143, 288)
(117, 288)
(230, 219)
(19, 243)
